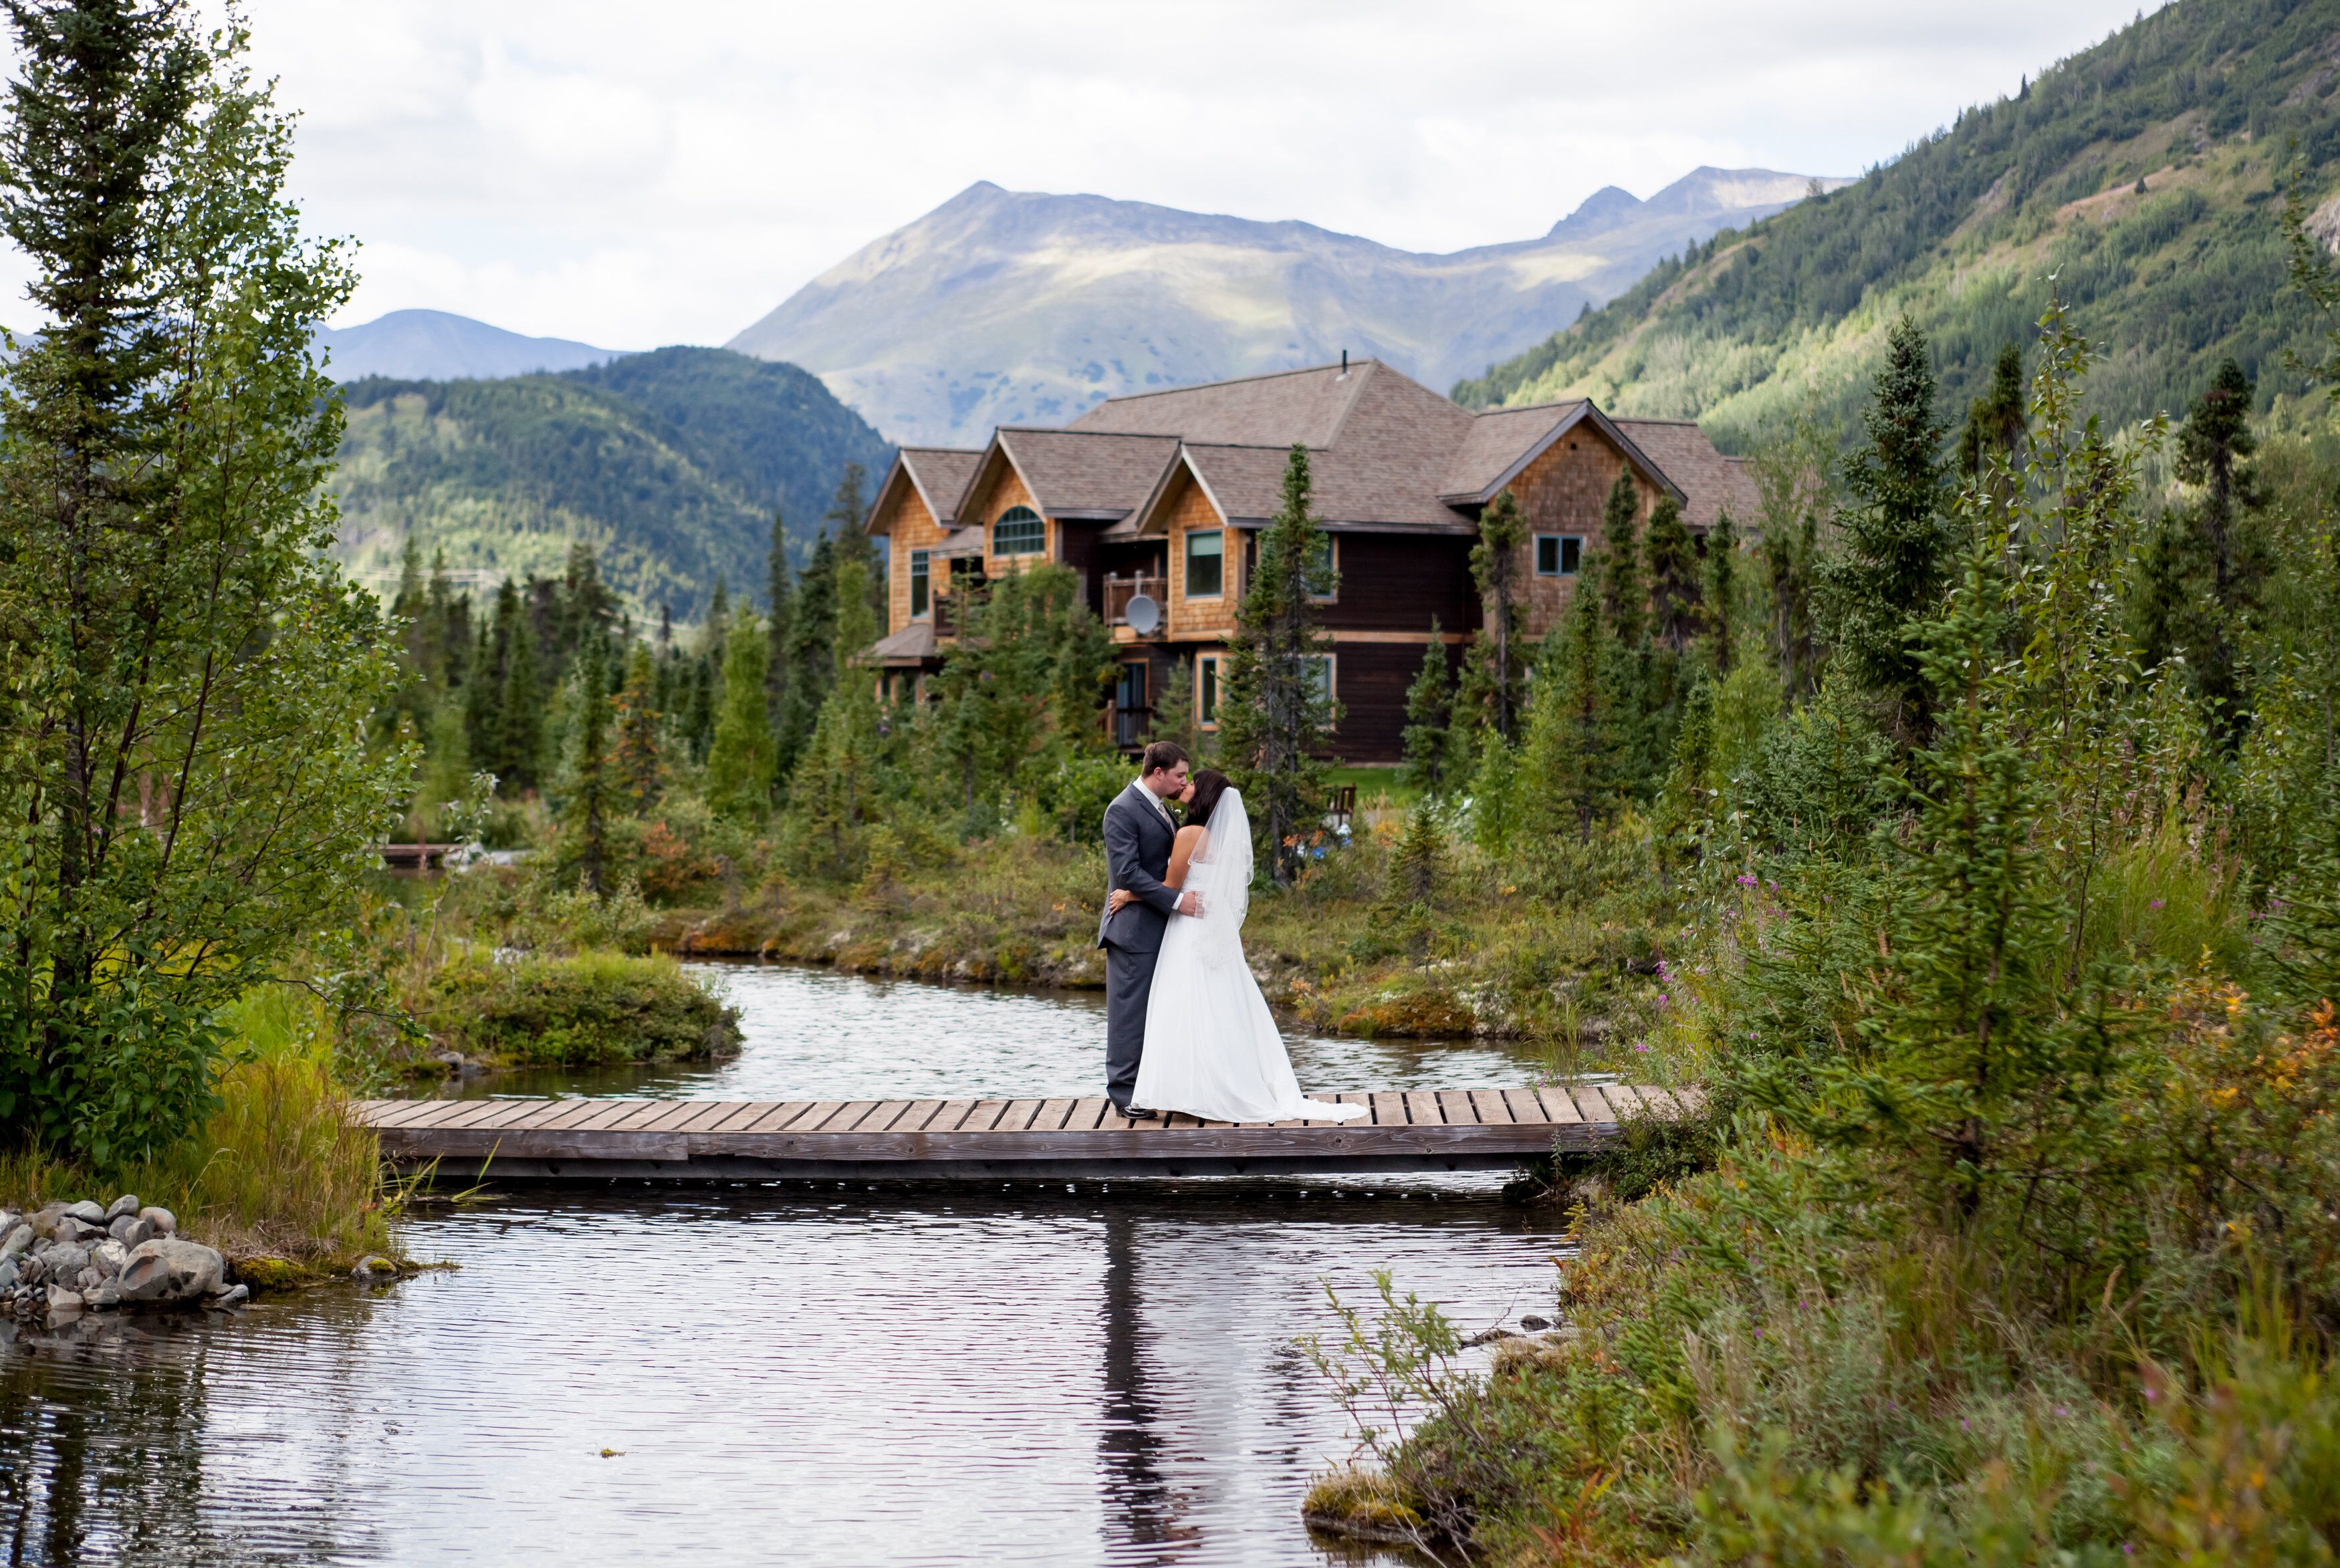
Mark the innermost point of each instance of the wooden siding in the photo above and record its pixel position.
(911, 528)
(1190, 509)
(1076, 545)
(1003, 488)
(1397, 582)
(1370, 679)
(1562, 492)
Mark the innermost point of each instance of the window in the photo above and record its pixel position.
(1206, 564)
(1206, 688)
(921, 592)
(1323, 566)
(1320, 675)
(1019, 532)
(1557, 555)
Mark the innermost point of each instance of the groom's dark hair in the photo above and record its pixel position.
(1161, 754)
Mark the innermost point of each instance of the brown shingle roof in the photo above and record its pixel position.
(941, 474)
(1710, 481)
(1088, 474)
(914, 644)
(1270, 410)
(1497, 439)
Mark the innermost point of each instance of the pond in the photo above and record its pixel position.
(1101, 1374)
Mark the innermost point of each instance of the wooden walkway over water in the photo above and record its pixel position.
(958, 1139)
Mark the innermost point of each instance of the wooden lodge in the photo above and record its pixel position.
(1158, 500)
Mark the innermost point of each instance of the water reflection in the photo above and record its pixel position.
(846, 1376)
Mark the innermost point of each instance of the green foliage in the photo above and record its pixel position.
(1890, 574)
(1277, 715)
(594, 1009)
(740, 764)
(670, 464)
(186, 792)
(1429, 713)
(842, 780)
(1496, 668)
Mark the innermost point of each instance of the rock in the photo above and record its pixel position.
(8, 1275)
(85, 1211)
(44, 1218)
(130, 1230)
(126, 1204)
(69, 1229)
(164, 1222)
(18, 1238)
(108, 1256)
(1534, 1325)
(235, 1295)
(89, 1280)
(64, 1303)
(168, 1269)
(373, 1268)
(32, 1270)
(105, 1297)
(64, 1258)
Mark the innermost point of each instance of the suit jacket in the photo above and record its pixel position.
(1137, 840)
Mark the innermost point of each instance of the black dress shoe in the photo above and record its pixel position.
(1137, 1115)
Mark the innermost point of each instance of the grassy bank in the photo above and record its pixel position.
(1565, 949)
(281, 1179)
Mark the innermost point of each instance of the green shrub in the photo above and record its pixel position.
(597, 1009)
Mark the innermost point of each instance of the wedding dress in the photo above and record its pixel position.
(1212, 1048)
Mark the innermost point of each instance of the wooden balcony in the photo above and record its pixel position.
(1120, 590)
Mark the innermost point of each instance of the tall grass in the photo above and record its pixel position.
(280, 1168)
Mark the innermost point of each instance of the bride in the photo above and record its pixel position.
(1212, 1048)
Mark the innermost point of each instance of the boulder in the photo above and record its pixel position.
(17, 1239)
(108, 1256)
(44, 1218)
(64, 1303)
(65, 1259)
(126, 1204)
(8, 1275)
(235, 1296)
(106, 1295)
(85, 1211)
(32, 1270)
(164, 1222)
(169, 1270)
(129, 1230)
(68, 1229)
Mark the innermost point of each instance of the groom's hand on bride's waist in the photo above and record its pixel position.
(1191, 903)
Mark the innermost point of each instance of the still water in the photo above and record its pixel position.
(780, 1374)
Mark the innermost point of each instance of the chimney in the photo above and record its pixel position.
(1345, 364)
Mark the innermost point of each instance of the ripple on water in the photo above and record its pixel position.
(789, 1373)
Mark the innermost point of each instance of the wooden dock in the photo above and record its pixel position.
(962, 1140)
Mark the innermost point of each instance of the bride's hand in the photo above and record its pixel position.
(1121, 898)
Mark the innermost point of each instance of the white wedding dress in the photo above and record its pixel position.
(1212, 1048)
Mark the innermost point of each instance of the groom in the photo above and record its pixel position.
(1138, 833)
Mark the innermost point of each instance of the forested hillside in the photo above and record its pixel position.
(668, 463)
(2143, 174)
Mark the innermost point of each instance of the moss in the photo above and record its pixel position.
(1363, 1504)
(597, 1009)
(265, 1272)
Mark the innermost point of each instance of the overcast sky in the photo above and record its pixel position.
(633, 175)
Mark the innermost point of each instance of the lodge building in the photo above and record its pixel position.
(1156, 500)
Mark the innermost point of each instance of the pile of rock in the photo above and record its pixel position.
(71, 1257)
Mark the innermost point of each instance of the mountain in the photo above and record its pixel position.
(2143, 175)
(1002, 307)
(432, 345)
(670, 463)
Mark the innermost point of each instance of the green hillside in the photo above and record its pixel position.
(668, 463)
(2144, 175)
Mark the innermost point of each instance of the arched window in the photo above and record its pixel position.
(1018, 532)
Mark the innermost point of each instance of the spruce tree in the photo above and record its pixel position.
(519, 745)
(1995, 420)
(1624, 600)
(1582, 731)
(810, 652)
(591, 794)
(641, 766)
(1892, 572)
(846, 515)
(839, 783)
(1719, 608)
(778, 597)
(1276, 716)
(1499, 660)
(1675, 590)
(739, 761)
(2213, 449)
(1429, 706)
(1173, 711)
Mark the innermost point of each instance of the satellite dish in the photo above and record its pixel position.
(1144, 616)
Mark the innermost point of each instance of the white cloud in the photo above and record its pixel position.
(582, 171)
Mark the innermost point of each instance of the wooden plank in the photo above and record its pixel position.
(1422, 1109)
(1085, 1114)
(1524, 1107)
(670, 1119)
(1114, 1122)
(1348, 1097)
(739, 1114)
(709, 1115)
(1621, 1100)
(401, 1112)
(842, 1115)
(1180, 1118)
(639, 1118)
(574, 1112)
(439, 1112)
(789, 1113)
(1454, 1106)
(1589, 1103)
(1557, 1107)
(1488, 1104)
(920, 1113)
(953, 1113)
(1052, 1115)
(467, 1112)
(984, 1116)
(881, 1117)
(1389, 1111)
(1017, 1115)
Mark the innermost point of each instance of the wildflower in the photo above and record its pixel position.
(1661, 999)
(1642, 1045)
(1746, 882)
(2155, 905)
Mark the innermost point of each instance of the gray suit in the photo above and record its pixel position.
(1138, 840)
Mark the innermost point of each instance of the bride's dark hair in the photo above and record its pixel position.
(1209, 786)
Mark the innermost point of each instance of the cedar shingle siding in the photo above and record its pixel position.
(1401, 477)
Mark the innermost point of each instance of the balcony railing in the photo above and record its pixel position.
(1120, 590)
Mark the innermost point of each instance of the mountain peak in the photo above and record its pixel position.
(440, 346)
